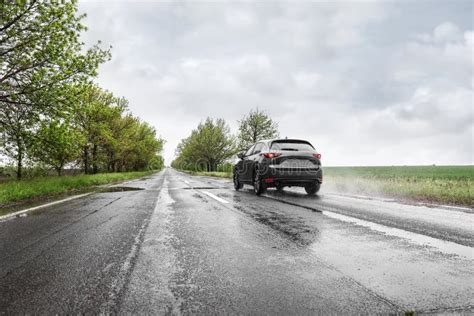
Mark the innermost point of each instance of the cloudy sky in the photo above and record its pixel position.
(368, 83)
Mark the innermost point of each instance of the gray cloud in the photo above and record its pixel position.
(366, 82)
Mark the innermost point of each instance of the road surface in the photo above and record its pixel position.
(188, 244)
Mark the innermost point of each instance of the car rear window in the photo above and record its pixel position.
(292, 146)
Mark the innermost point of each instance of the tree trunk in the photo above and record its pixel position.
(94, 159)
(86, 160)
(112, 162)
(212, 165)
(59, 168)
(19, 167)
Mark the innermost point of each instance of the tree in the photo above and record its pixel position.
(40, 55)
(254, 127)
(208, 146)
(40, 49)
(94, 113)
(16, 137)
(58, 144)
(48, 106)
(157, 163)
(114, 139)
(143, 147)
(121, 132)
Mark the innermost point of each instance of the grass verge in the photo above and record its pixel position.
(15, 192)
(432, 184)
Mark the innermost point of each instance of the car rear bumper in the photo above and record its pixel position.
(274, 176)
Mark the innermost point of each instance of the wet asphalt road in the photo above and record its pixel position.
(193, 245)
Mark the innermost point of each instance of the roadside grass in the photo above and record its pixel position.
(418, 172)
(435, 184)
(18, 191)
(432, 184)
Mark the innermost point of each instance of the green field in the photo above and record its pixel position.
(433, 184)
(437, 184)
(12, 192)
(419, 172)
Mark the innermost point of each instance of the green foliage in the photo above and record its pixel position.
(256, 126)
(225, 167)
(50, 113)
(40, 54)
(57, 144)
(114, 139)
(208, 146)
(156, 163)
(41, 51)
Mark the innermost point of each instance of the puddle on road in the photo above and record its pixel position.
(292, 227)
(442, 245)
(119, 189)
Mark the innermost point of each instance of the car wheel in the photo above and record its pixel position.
(237, 184)
(312, 189)
(258, 185)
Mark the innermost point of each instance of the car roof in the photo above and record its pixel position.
(283, 139)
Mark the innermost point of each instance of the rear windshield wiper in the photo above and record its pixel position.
(289, 149)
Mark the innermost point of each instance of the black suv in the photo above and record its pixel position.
(279, 163)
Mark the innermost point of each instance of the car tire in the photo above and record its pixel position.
(237, 184)
(312, 189)
(258, 186)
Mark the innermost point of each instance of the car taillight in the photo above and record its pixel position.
(271, 155)
(317, 156)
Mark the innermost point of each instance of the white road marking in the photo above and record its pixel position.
(382, 199)
(215, 197)
(448, 247)
(186, 181)
(22, 213)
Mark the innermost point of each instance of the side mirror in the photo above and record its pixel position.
(241, 155)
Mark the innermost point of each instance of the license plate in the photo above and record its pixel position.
(297, 163)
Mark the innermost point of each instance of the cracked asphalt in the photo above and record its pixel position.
(192, 245)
